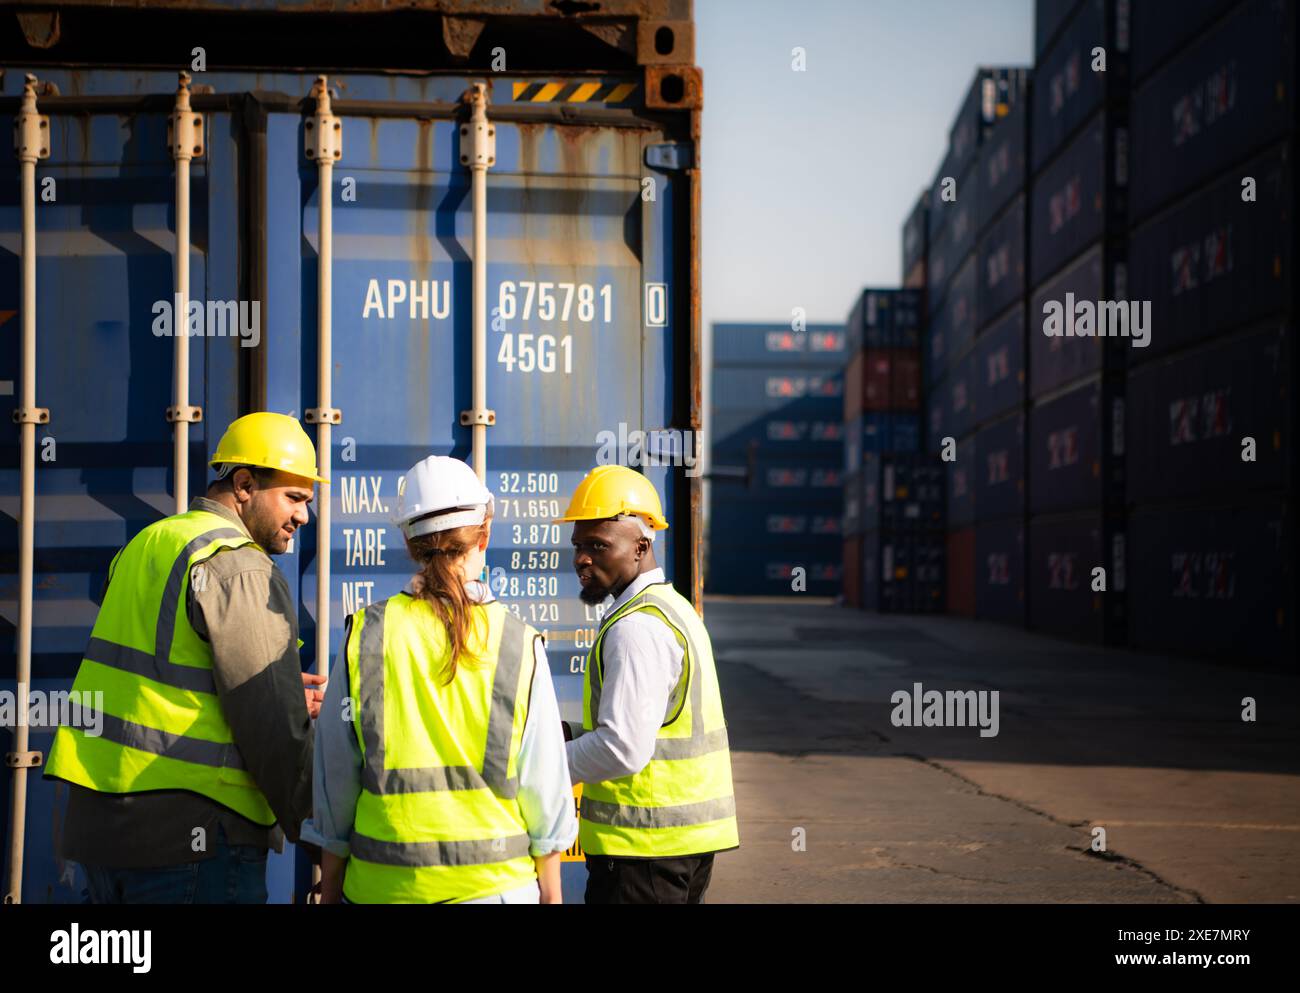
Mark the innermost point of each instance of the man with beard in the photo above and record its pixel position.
(206, 737)
(652, 752)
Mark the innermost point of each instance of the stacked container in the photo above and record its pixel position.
(956, 205)
(1077, 204)
(892, 506)
(1212, 207)
(776, 497)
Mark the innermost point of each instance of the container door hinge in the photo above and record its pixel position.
(670, 156)
(188, 414)
(24, 760)
(31, 130)
(322, 134)
(184, 126)
(323, 415)
(469, 417)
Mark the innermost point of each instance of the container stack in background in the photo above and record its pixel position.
(1211, 536)
(893, 494)
(777, 446)
(1077, 237)
(952, 285)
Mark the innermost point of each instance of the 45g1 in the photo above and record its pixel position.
(536, 352)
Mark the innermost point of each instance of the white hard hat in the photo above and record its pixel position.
(440, 493)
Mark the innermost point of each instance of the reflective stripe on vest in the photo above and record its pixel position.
(154, 703)
(694, 770)
(404, 802)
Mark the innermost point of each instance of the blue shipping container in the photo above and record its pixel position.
(1002, 165)
(962, 474)
(1156, 35)
(1000, 469)
(998, 367)
(1076, 448)
(1059, 359)
(595, 340)
(1000, 571)
(1064, 551)
(813, 394)
(1000, 269)
(737, 433)
(817, 346)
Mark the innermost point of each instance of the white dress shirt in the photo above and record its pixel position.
(643, 666)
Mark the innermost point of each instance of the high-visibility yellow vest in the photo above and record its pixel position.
(163, 726)
(438, 818)
(682, 802)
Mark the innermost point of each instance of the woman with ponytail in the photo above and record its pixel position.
(440, 772)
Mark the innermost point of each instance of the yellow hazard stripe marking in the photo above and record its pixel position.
(548, 92)
(584, 92)
(518, 90)
(620, 92)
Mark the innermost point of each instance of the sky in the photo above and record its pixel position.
(808, 176)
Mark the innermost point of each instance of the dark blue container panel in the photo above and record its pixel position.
(962, 475)
(915, 234)
(1001, 263)
(1065, 451)
(1187, 418)
(902, 573)
(1000, 469)
(959, 417)
(1216, 262)
(936, 405)
(1049, 17)
(956, 320)
(1057, 360)
(909, 308)
(884, 319)
(937, 272)
(1214, 580)
(799, 567)
(1069, 209)
(735, 433)
(1000, 571)
(736, 523)
(792, 481)
(1156, 35)
(998, 367)
(958, 242)
(1001, 173)
(819, 346)
(878, 434)
(1063, 552)
(1067, 91)
(811, 394)
(1228, 94)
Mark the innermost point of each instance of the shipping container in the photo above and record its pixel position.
(937, 273)
(1069, 84)
(816, 346)
(732, 522)
(1002, 172)
(1188, 418)
(992, 93)
(1076, 577)
(884, 318)
(857, 500)
(959, 571)
(953, 327)
(880, 434)
(737, 433)
(1055, 360)
(1000, 469)
(894, 492)
(1049, 17)
(1000, 270)
(781, 479)
(1215, 262)
(998, 367)
(797, 568)
(817, 394)
(959, 418)
(1000, 571)
(1076, 450)
(851, 572)
(961, 475)
(1218, 102)
(597, 292)
(915, 235)
(903, 573)
(937, 423)
(1156, 35)
(1079, 199)
(1215, 580)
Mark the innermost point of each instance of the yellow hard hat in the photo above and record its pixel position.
(273, 441)
(610, 490)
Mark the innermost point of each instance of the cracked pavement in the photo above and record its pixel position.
(1197, 805)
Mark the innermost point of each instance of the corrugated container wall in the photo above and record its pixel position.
(594, 286)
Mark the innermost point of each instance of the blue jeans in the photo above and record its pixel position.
(235, 874)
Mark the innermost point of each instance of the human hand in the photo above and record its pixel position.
(314, 697)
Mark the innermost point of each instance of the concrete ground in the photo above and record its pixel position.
(1197, 805)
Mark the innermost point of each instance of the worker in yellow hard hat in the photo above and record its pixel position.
(652, 751)
(197, 756)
